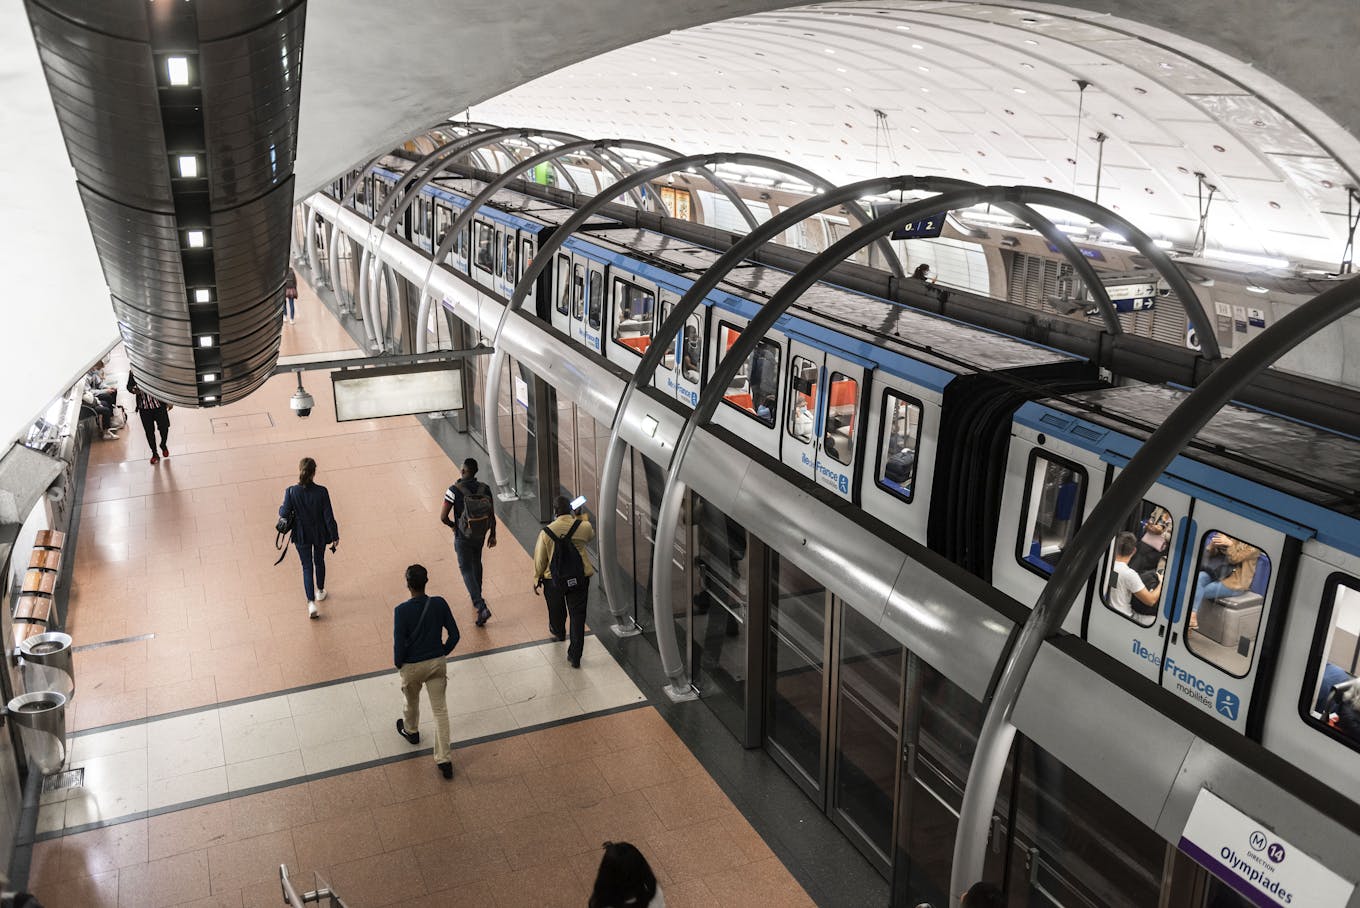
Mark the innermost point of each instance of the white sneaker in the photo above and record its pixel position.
(320, 595)
(311, 610)
(110, 435)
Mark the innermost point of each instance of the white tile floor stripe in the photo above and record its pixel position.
(161, 763)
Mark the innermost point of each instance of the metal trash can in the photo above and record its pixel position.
(48, 663)
(41, 717)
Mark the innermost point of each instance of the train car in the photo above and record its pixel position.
(992, 451)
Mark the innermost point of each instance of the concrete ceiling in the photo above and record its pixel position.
(985, 92)
(375, 74)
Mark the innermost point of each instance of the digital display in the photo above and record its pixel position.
(919, 229)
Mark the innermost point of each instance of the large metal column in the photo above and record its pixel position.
(1085, 550)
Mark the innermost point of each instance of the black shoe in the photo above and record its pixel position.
(574, 663)
(483, 613)
(556, 636)
(412, 737)
(446, 769)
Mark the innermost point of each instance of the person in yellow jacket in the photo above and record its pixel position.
(565, 576)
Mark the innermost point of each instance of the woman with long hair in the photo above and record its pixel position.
(625, 880)
(314, 528)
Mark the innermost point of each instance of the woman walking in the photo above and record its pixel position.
(314, 528)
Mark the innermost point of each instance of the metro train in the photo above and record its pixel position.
(1236, 585)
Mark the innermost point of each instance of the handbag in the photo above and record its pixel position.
(283, 528)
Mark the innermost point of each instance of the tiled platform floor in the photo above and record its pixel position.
(184, 550)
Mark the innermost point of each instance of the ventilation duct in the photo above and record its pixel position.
(180, 119)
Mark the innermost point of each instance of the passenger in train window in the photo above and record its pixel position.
(831, 439)
(689, 354)
(922, 273)
(1226, 569)
(1154, 542)
(1129, 593)
(802, 417)
(765, 412)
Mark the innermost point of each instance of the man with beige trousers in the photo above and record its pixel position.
(420, 651)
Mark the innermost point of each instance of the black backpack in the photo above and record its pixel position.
(475, 519)
(568, 570)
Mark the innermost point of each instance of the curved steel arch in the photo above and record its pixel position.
(405, 190)
(1134, 481)
(466, 215)
(715, 273)
(1190, 301)
(678, 686)
(544, 256)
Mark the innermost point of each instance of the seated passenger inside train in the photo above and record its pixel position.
(1129, 593)
(1338, 701)
(689, 354)
(802, 417)
(1154, 542)
(1227, 569)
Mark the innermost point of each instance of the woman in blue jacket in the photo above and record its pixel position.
(314, 528)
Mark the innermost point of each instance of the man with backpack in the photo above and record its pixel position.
(473, 508)
(562, 568)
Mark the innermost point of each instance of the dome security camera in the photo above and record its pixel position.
(301, 401)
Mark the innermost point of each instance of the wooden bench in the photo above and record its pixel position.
(45, 559)
(34, 610)
(50, 539)
(36, 581)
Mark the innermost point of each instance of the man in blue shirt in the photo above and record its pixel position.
(420, 651)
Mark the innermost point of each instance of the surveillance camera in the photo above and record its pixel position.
(301, 402)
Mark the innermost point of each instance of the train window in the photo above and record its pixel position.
(842, 406)
(563, 295)
(1228, 598)
(499, 252)
(578, 292)
(691, 349)
(510, 273)
(442, 219)
(1331, 699)
(526, 256)
(460, 245)
(802, 398)
(897, 448)
(1055, 494)
(484, 240)
(595, 311)
(633, 315)
(755, 388)
(1133, 587)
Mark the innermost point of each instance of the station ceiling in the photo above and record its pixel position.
(375, 74)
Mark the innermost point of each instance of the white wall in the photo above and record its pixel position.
(54, 303)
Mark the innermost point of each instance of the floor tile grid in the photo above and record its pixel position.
(521, 824)
(257, 743)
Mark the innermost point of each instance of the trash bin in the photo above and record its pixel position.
(48, 664)
(41, 717)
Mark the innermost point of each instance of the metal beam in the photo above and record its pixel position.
(1093, 537)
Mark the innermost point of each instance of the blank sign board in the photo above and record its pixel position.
(396, 391)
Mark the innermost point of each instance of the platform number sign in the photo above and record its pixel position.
(920, 229)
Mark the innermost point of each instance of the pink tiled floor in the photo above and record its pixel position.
(184, 551)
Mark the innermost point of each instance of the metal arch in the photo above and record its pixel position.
(714, 388)
(557, 168)
(544, 256)
(466, 215)
(333, 247)
(405, 190)
(664, 339)
(1194, 308)
(714, 274)
(1092, 538)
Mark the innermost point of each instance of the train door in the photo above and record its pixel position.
(483, 254)
(899, 461)
(1051, 486)
(821, 418)
(632, 306)
(750, 407)
(1131, 613)
(562, 293)
(595, 316)
(1224, 599)
(681, 370)
(499, 254)
(527, 245)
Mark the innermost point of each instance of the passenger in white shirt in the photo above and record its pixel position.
(1128, 593)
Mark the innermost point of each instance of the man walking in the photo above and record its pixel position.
(155, 414)
(420, 652)
(473, 508)
(562, 568)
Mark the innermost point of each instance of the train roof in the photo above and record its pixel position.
(958, 343)
(1310, 462)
